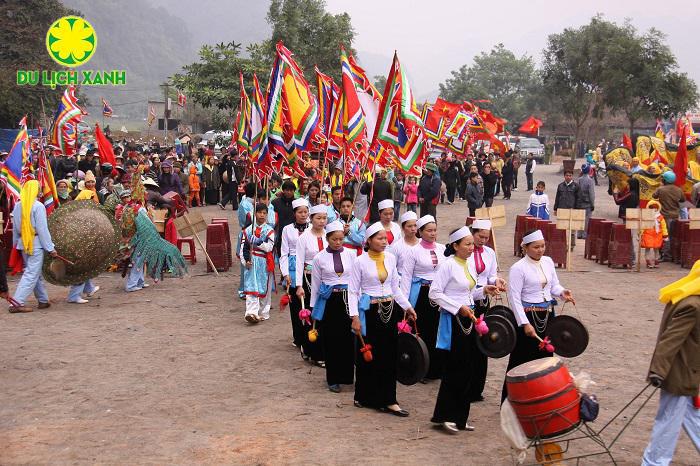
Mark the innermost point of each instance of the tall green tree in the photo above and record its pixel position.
(213, 81)
(311, 33)
(574, 68)
(644, 82)
(508, 82)
(23, 39)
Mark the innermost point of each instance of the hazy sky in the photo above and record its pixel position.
(435, 37)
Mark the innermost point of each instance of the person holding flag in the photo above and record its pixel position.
(31, 236)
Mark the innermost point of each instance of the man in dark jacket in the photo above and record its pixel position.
(587, 196)
(451, 180)
(284, 211)
(474, 197)
(429, 190)
(568, 197)
(490, 181)
(675, 369)
(507, 175)
(380, 189)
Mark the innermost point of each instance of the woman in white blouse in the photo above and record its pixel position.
(486, 265)
(532, 286)
(400, 247)
(454, 290)
(376, 305)
(310, 243)
(288, 263)
(330, 276)
(417, 273)
(386, 217)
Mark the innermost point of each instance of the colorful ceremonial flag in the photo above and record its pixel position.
(368, 95)
(355, 140)
(458, 124)
(680, 164)
(181, 99)
(530, 126)
(44, 175)
(151, 116)
(106, 109)
(243, 123)
(328, 103)
(626, 142)
(292, 110)
(433, 121)
(259, 151)
(399, 127)
(11, 170)
(104, 147)
(63, 133)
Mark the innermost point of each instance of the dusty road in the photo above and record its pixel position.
(173, 375)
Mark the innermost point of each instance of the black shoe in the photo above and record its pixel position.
(335, 388)
(399, 412)
(357, 404)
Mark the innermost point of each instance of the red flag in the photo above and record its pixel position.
(530, 126)
(680, 165)
(104, 147)
(181, 99)
(626, 142)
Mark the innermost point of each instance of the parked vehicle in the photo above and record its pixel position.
(528, 146)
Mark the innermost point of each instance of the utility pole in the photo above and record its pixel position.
(166, 111)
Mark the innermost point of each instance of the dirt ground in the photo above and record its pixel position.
(173, 375)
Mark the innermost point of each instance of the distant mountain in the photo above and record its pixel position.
(214, 21)
(374, 64)
(429, 97)
(146, 41)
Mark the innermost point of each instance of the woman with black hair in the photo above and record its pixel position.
(532, 286)
(288, 264)
(408, 239)
(486, 266)
(373, 295)
(417, 273)
(330, 275)
(454, 290)
(310, 243)
(314, 194)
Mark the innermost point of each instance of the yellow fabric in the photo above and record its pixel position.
(694, 170)
(27, 196)
(463, 263)
(681, 289)
(378, 258)
(86, 195)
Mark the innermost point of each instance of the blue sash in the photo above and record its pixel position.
(292, 266)
(415, 289)
(362, 307)
(324, 292)
(545, 305)
(444, 336)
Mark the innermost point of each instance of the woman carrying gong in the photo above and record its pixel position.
(454, 290)
(376, 305)
(532, 285)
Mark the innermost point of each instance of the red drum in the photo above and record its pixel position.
(544, 397)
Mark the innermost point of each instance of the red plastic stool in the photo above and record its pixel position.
(192, 253)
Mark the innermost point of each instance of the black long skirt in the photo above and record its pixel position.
(338, 339)
(297, 327)
(314, 351)
(454, 397)
(481, 361)
(527, 348)
(375, 384)
(428, 321)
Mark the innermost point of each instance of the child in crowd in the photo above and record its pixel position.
(193, 182)
(539, 202)
(257, 257)
(410, 189)
(652, 239)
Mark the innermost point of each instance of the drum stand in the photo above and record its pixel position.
(583, 430)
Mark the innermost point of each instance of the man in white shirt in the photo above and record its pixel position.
(530, 171)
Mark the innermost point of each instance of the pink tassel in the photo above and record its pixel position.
(481, 327)
(305, 316)
(404, 326)
(546, 345)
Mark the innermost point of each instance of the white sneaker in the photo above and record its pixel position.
(145, 285)
(93, 292)
(79, 301)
